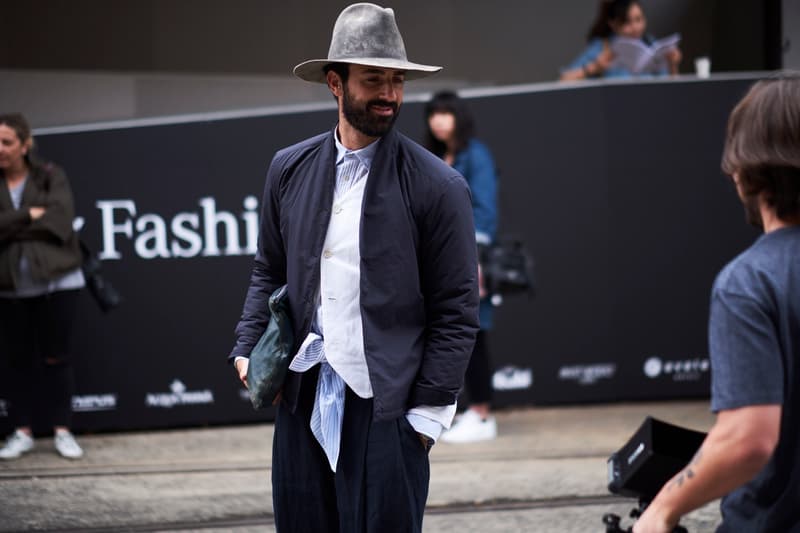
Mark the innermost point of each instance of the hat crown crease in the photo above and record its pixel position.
(365, 32)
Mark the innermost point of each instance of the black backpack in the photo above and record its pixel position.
(507, 269)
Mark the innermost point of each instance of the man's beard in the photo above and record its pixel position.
(361, 118)
(752, 212)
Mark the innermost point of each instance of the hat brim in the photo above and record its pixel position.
(313, 70)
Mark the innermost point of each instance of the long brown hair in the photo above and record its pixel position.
(762, 144)
(609, 10)
(449, 102)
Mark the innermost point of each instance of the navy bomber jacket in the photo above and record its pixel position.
(419, 280)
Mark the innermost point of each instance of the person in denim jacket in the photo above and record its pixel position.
(450, 136)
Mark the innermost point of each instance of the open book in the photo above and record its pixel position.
(637, 57)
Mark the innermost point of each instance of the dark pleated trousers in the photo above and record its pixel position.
(381, 480)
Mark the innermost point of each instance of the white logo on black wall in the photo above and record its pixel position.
(207, 232)
(179, 396)
(512, 378)
(678, 370)
(94, 402)
(587, 374)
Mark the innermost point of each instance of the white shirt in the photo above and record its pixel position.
(339, 313)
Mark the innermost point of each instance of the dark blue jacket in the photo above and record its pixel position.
(419, 291)
(475, 163)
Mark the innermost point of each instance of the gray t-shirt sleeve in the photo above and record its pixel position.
(746, 366)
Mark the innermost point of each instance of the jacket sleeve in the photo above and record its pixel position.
(269, 269)
(56, 223)
(589, 54)
(449, 270)
(483, 185)
(12, 222)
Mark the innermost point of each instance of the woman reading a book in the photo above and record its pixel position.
(619, 47)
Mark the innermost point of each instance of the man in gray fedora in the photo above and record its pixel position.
(374, 238)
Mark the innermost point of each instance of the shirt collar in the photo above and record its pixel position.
(364, 155)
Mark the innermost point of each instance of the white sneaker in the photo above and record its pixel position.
(17, 444)
(67, 446)
(471, 428)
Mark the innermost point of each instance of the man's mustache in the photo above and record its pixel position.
(383, 103)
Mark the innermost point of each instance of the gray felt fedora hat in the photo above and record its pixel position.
(365, 34)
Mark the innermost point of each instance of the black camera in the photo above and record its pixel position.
(653, 455)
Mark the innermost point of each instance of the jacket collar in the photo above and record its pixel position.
(364, 155)
(384, 148)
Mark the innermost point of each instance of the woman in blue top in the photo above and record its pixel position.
(450, 136)
(615, 18)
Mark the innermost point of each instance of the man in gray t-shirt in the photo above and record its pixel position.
(754, 339)
(751, 457)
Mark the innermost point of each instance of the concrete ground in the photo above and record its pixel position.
(546, 472)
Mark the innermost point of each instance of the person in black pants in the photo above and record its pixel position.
(451, 136)
(40, 278)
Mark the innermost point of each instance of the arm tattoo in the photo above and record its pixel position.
(687, 472)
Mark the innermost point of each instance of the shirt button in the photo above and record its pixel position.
(337, 209)
(345, 178)
(327, 254)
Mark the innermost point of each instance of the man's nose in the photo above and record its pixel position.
(388, 90)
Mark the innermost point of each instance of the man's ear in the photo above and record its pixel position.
(334, 83)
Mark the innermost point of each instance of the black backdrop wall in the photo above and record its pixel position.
(616, 189)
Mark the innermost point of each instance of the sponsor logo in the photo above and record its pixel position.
(678, 370)
(636, 453)
(587, 374)
(653, 367)
(3, 408)
(512, 378)
(179, 396)
(186, 234)
(94, 402)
